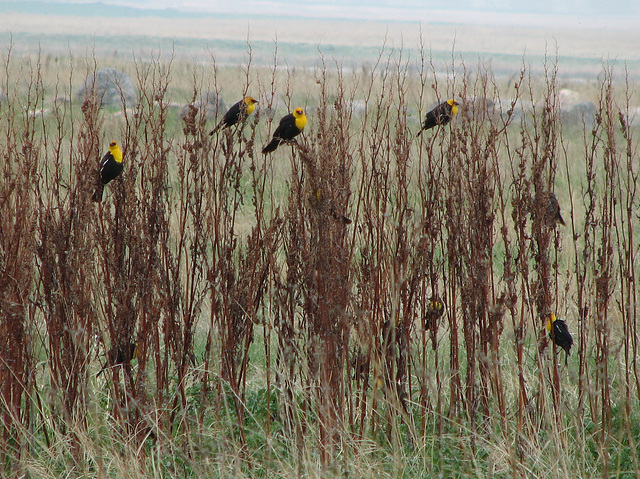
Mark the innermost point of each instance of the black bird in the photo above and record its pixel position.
(238, 112)
(440, 115)
(120, 355)
(559, 333)
(290, 126)
(111, 166)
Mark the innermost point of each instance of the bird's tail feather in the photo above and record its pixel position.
(216, 128)
(97, 195)
(273, 144)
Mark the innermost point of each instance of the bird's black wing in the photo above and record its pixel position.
(430, 120)
(562, 336)
(109, 169)
(234, 114)
(287, 128)
(440, 115)
(106, 159)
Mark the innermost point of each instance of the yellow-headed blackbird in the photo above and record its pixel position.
(110, 167)
(440, 115)
(238, 112)
(433, 311)
(559, 333)
(290, 126)
(550, 206)
(120, 355)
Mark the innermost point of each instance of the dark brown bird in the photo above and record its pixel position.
(548, 204)
(433, 312)
(120, 355)
(111, 166)
(440, 115)
(237, 113)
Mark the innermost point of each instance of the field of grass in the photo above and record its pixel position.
(279, 303)
(79, 29)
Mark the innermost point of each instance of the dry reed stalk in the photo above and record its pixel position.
(194, 229)
(21, 154)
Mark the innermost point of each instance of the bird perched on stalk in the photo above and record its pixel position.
(548, 203)
(120, 355)
(290, 126)
(433, 311)
(110, 167)
(440, 115)
(559, 333)
(238, 112)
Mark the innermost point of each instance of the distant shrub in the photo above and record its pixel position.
(111, 87)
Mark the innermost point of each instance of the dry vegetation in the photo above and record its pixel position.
(278, 302)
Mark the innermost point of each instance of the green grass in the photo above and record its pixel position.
(205, 268)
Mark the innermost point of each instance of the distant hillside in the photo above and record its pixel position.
(542, 7)
(501, 39)
(592, 9)
(93, 9)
